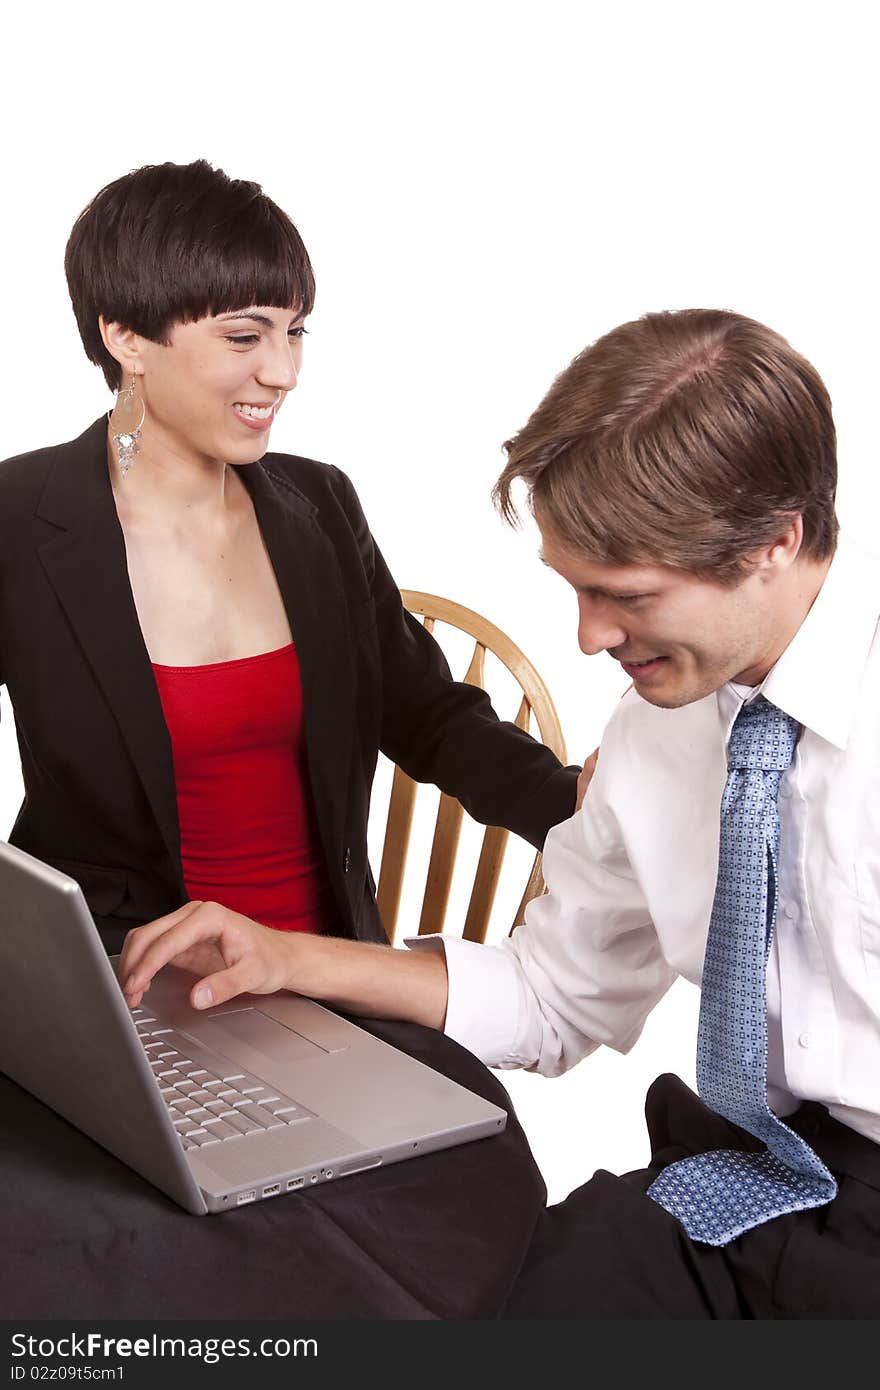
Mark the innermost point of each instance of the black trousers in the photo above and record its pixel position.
(610, 1251)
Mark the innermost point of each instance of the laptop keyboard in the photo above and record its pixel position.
(208, 1105)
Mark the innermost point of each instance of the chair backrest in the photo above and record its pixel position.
(535, 701)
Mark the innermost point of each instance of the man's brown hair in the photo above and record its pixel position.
(682, 439)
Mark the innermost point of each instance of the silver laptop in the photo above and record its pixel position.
(261, 1096)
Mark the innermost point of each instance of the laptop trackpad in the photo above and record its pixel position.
(261, 1034)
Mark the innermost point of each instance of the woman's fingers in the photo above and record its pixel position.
(585, 777)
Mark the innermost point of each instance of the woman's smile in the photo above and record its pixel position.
(256, 417)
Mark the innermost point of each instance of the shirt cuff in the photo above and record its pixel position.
(482, 1010)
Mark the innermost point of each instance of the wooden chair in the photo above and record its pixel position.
(535, 700)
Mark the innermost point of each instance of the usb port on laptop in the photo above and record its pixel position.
(273, 1190)
(294, 1183)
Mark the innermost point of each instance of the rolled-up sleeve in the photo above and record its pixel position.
(484, 1003)
(585, 968)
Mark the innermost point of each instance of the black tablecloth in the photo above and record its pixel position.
(440, 1236)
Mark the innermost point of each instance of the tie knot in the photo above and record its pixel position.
(762, 738)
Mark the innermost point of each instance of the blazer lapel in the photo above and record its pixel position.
(86, 564)
(311, 585)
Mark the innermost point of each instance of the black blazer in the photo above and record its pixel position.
(100, 800)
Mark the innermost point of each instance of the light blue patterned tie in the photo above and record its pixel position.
(718, 1195)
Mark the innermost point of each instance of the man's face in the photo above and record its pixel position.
(677, 637)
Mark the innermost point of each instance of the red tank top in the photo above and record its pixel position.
(248, 836)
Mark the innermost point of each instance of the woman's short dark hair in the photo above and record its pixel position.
(682, 439)
(171, 243)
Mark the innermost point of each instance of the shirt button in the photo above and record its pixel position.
(805, 1039)
(791, 911)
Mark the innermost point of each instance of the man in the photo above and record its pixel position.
(682, 472)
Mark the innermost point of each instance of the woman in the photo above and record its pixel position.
(203, 646)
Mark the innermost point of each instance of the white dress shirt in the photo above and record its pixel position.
(631, 879)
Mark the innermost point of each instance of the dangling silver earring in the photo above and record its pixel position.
(124, 436)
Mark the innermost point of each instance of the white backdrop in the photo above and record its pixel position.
(484, 188)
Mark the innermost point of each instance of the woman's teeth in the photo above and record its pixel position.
(256, 412)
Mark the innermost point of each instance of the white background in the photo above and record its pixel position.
(484, 188)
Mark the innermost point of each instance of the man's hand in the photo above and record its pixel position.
(231, 954)
(585, 778)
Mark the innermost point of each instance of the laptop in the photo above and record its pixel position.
(254, 1098)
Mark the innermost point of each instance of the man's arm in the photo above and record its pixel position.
(585, 969)
(233, 955)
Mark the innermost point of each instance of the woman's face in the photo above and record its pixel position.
(212, 393)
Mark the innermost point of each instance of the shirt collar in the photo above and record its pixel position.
(817, 678)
